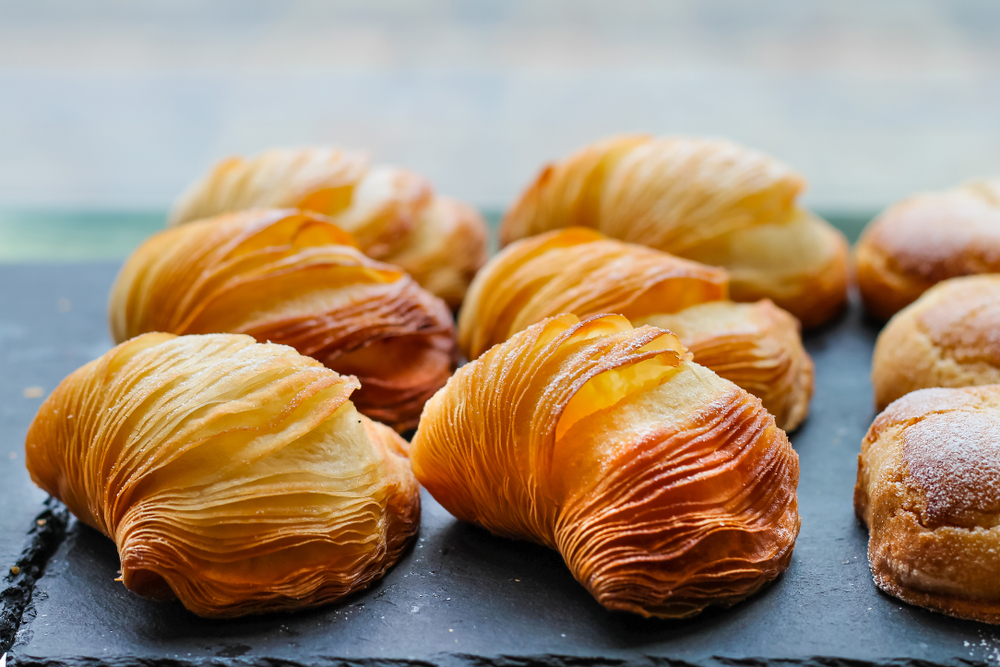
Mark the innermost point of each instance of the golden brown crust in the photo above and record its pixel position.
(925, 239)
(665, 488)
(929, 491)
(392, 213)
(288, 277)
(583, 272)
(756, 346)
(235, 476)
(947, 338)
(712, 201)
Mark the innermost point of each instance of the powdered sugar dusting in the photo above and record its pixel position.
(955, 458)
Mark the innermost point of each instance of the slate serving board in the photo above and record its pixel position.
(462, 596)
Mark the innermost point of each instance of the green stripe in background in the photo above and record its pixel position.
(67, 236)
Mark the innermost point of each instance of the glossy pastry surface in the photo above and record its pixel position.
(294, 278)
(665, 488)
(925, 239)
(393, 214)
(233, 475)
(929, 491)
(581, 271)
(709, 200)
(949, 337)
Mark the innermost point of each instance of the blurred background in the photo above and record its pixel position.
(109, 108)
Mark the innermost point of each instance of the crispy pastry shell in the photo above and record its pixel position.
(929, 491)
(235, 476)
(946, 338)
(925, 239)
(393, 213)
(665, 488)
(713, 201)
(581, 271)
(292, 277)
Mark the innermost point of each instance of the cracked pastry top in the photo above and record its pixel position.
(928, 489)
(712, 201)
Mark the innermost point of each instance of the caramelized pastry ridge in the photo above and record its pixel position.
(929, 491)
(708, 200)
(235, 476)
(583, 272)
(665, 488)
(393, 213)
(292, 277)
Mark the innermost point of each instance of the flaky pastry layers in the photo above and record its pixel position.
(949, 337)
(292, 277)
(925, 239)
(233, 475)
(394, 214)
(664, 487)
(711, 201)
(581, 271)
(929, 491)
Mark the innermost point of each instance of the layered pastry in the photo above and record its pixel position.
(577, 270)
(708, 200)
(665, 488)
(292, 277)
(393, 214)
(234, 476)
(929, 491)
(925, 239)
(949, 337)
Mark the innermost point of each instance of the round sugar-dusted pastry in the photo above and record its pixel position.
(949, 337)
(712, 201)
(925, 239)
(235, 476)
(394, 214)
(929, 491)
(664, 487)
(292, 277)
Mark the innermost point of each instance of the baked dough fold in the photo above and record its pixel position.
(235, 476)
(665, 488)
(925, 239)
(581, 271)
(292, 277)
(394, 214)
(928, 489)
(708, 200)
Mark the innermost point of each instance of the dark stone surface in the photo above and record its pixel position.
(464, 597)
(51, 322)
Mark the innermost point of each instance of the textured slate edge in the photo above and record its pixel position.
(465, 660)
(17, 591)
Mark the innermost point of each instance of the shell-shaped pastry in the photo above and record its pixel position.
(946, 338)
(928, 489)
(292, 277)
(581, 271)
(664, 487)
(393, 214)
(925, 239)
(233, 475)
(755, 345)
(709, 200)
